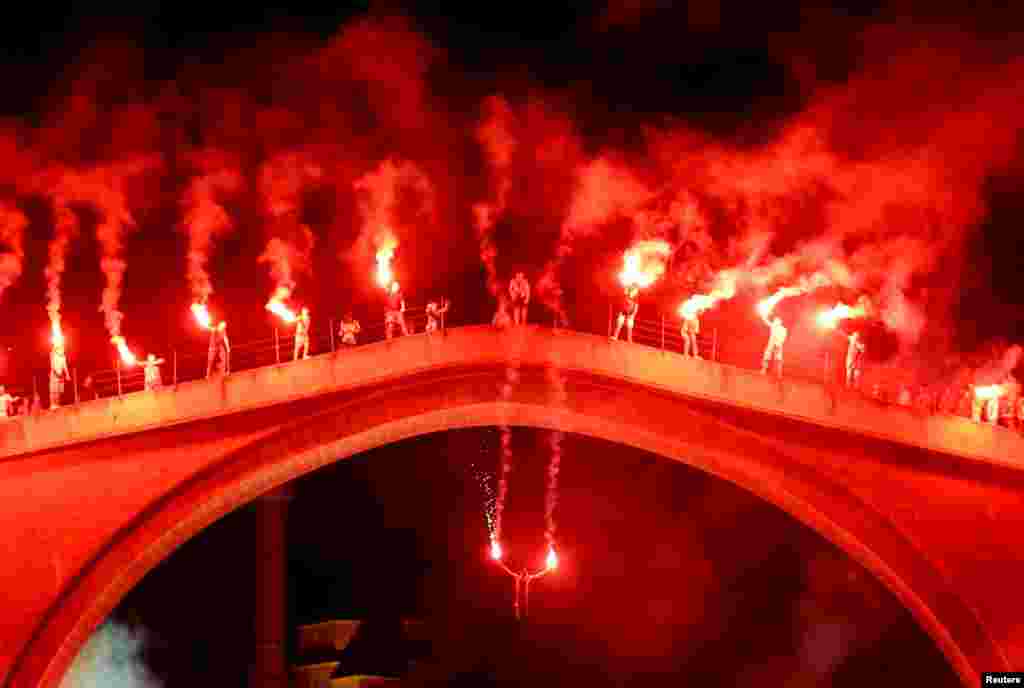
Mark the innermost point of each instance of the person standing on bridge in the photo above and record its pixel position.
(220, 351)
(395, 314)
(435, 315)
(151, 373)
(627, 313)
(348, 330)
(58, 372)
(773, 351)
(689, 332)
(6, 403)
(854, 359)
(519, 293)
(302, 334)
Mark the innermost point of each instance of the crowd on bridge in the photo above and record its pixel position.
(1005, 409)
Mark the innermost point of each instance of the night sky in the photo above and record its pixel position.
(889, 131)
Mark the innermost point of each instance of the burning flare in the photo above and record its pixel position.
(698, 303)
(552, 559)
(127, 357)
(202, 315)
(643, 263)
(988, 392)
(277, 306)
(496, 553)
(830, 318)
(56, 333)
(385, 254)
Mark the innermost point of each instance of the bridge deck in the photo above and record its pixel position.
(380, 362)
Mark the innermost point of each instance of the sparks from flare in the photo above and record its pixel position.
(127, 357)
(644, 263)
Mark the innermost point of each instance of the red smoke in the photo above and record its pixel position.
(12, 231)
(217, 176)
(394, 200)
(283, 180)
(495, 137)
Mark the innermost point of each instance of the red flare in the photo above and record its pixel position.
(698, 303)
(496, 553)
(988, 392)
(552, 559)
(56, 333)
(277, 306)
(830, 318)
(644, 263)
(127, 357)
(385, 254)
(202, 315)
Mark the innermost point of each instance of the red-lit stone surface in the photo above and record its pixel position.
(93, 496)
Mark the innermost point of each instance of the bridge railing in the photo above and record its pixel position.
(192, 364)
(182, 365)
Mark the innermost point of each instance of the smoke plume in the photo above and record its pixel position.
(283, 180)
(392, 199)
(495, 137)
(12, 230)
(206, 219)
(112, 658)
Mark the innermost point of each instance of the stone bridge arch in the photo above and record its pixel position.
(858, 492)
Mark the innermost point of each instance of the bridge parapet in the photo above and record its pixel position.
(393, 360)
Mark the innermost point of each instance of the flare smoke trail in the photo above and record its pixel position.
(283, 180)
(495, 136)
(103, 188)
(12, 233)
(64, 232)
(603, 192)
(555, 461)
(392, 200)
(206, 219)
(511, 379)
(112, 658)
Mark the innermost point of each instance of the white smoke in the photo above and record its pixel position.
(112, 658)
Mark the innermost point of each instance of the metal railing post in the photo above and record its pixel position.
(118, 367)
(827, 361)
(714, 344)
(332, 334)
(175, 351)
(74, 381)
(662, 331)
(277, 345)
(35, 395)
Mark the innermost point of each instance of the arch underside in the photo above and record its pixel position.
(779, 470)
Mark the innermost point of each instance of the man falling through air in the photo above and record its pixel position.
(302, 335)
(627, 313)
(519, 293)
